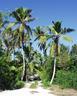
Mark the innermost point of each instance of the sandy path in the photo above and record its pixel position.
(26, 91)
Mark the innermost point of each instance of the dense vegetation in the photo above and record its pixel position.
(19, 61)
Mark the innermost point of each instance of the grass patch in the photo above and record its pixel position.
(34, 85)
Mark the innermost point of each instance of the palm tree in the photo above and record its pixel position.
(7, 40)
(56, 32)
(3, 22)
(22, 32)
(40, 35)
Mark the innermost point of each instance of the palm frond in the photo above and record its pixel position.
(57, 26)
(10, 25)
(67, 38)
(29, 30)
(36, 38)
(21, 28)
(67, 30)
(15, 15)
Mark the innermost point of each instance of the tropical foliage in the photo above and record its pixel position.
(19, 61)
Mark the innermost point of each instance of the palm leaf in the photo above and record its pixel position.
(21, 28)
(49, 36)
(70, 29)
(15, 15)
(54, 31)
(29, 31)
(36, 38)
(21, 14)
(67, 38)
(57, 26)
(31, 66)
(67, 30)
(10, 25)
(42, 39)
(29, 19)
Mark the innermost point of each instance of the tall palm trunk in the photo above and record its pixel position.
(56, 41)
(23, 71)
(56, 46)
(54, 70)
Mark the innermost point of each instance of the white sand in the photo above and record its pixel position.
(26, 91)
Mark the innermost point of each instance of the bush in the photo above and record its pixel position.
(66, 79)
(19, 84)
(9, 75)
(45, 72)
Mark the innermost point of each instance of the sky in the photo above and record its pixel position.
(47, 10)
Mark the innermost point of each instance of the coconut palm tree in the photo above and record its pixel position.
(40, 35)
(22, 31)
(3, 22)
(57, 32)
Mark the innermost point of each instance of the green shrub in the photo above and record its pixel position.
(45, 72)
(9, 75)
(66, 79)
(19, 84)
(44, 76)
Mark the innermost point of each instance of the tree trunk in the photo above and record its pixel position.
(56, 41)
(23, 71)
(56, 46)
(25, 74)
(54, 70)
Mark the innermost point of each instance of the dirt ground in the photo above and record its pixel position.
(55, 89)
(27, 91)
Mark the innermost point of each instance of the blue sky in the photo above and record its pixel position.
(47, 10)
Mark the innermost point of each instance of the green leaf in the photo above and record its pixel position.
(21, 28)
(54, 31)
(57, 26)
(42, 39)
(29, 19)
(12, 68)
(67, 38)
(36, 38)
(31, 66)
(52, 51)
(49, 36)
(11, 25)
(29, 31)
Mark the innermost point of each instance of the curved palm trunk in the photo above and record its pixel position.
(55, 55)
(54, 70)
